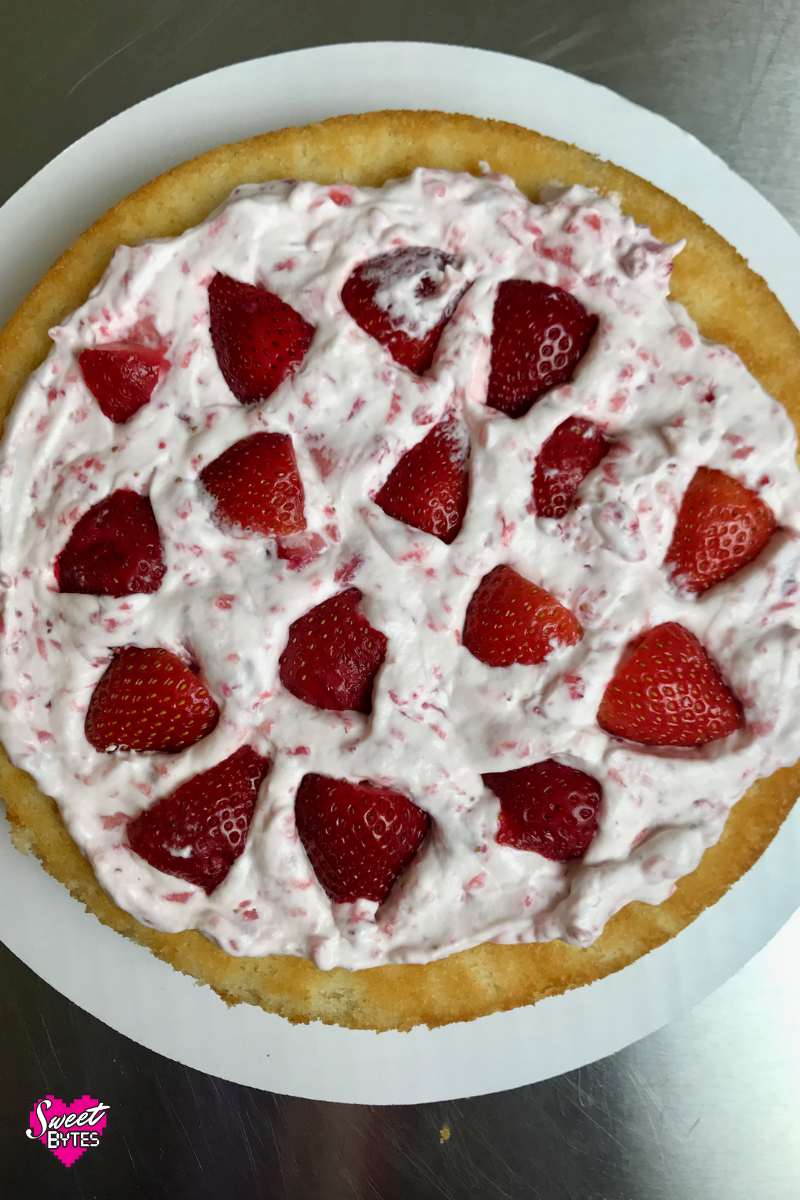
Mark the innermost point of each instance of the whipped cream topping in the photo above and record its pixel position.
(669, 400)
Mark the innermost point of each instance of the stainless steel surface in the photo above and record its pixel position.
(707, 1108)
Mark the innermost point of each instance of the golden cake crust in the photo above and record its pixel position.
(729, 302)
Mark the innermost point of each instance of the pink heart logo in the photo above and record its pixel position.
(68, 1129)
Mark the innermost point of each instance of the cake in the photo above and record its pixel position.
(427, 492)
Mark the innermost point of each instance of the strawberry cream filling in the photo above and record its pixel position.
(652, 399)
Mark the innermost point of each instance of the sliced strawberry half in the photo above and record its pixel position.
(565, 459)
(259, 339)
(429, 487)
(669, 693)
(257, 486)
(149, 700)
(199, 830)
(407, 345)
(722, 526)
(114, 550)
(121, 377)
(511, 620)
(358, 837)
(333, 655)
(539, 336)
(547, 807)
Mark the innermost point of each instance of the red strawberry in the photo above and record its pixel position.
(411, 350)
(257, 486)
(511, 620)
(721, 527)
(358, 837)
(114, 550)
(540, 335)
(333, 655)
(566, 458)
(547, 807)
(669, 693)
(209, 815)
(121, 377)
(429, 487)
(149, 700)
(258, 339)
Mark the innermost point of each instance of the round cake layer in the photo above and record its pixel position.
(456, 384)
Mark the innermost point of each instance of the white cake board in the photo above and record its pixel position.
(122, 984)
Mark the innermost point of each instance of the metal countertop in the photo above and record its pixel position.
(707, 1108)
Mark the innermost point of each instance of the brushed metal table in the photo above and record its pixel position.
(709, 1107)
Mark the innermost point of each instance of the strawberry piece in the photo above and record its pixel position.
(257, 486)
(511, 620)
(407, 346)
(540, 335)
(121, 377)
(301, 549)
(333, 655)
(358, 837)
(258, 339)
(566, 458)
(208, 816)
(429, 487)
(669, 693)
(547, 807)
(149, 700)
(114, 549)
(722, 526)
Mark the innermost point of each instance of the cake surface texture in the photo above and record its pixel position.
(472, 918)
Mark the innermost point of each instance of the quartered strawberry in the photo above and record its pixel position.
(429, 487)
(721, 527)
(511, 620)
(669, 693)
(333, 655)
(547, 807)
(199, 830)
(257, 486)
(358, 837)
(258, 339)
(540, 334)
(409, 347)
(114, 550)
(121, 377)
(565, 459)
(149, 700)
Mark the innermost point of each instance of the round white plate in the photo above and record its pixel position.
(124, 985)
